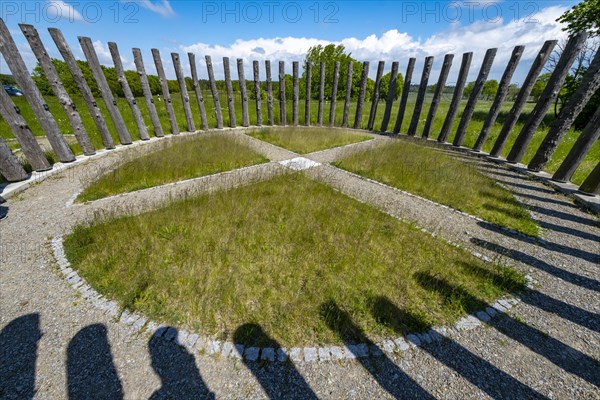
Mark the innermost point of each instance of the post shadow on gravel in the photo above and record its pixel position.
(571, 277)
(481, 373)
(3, 212)
(555, 351)
(279, 381)
(18, 353)
(90, 369)
(389, 376)
(179, 376)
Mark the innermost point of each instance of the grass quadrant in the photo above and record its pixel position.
(303, 140)
(429, 173)
(275, 254)
(174, 160)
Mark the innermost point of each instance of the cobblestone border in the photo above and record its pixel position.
(204, 344)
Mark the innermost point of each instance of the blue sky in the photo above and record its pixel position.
(284, 30)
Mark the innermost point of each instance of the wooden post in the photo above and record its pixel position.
(137, 114)
(296, 93)
(141, 70)
(389, 102)
(269, 92)
(165, 91)
(229, 86)
(348, 95)
(559, 128)
(583, 144)
(321, 93)
(10, 167)
(523, 96)
(83, 87)
(308, 94)
(17, 66)
(404, 97)
(18, 125)
(500, 96)
(336, 76)
(282, 104)
(57, 87)
(243, 92)
(488, 60)
(257, 92)
(198, 90)
(361, 95)
(375, 97)
(437, 97)
(414, 122)
(456, 96)
(214, 92)
(107, 96)
(591, 185)
(553, 86)
(185, 98)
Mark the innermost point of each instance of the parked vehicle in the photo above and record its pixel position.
(12, 91)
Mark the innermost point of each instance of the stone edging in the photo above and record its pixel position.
(195, 342)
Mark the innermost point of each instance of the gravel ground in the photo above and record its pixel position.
(54, 344)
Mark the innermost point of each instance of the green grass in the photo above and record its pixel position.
(432, 174)
(303, 141)
(178, 159)
(275, 254)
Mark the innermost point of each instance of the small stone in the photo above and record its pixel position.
(336, 352)
(213, 347)
(268, 354)
(425, 338)
(505, 304)
(310, 354)
(181, 337)
(401, 344)
(324, 354)
(483, 316)
(170, 334)
(375, 350)
(191, 340)
(362, 350)
(251, 353)
(492, 312)
(389, 346)
(282, 355)
(238, 351)
(349, 353)
(435, 335)
(139, 324)
(124, 316)
(296, 354)
(499, 307)
(513, 301)
(413, 339)
(160, 331)
(227, 349)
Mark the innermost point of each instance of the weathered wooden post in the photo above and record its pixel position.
(522, 97)
(198, 90)
(583, 144)
(141, 71)
(214, 92)
(456, 96)
(591, 185)
(375, 98)
(257, 92)
(83, 87)
(269, 92)
(185, 98)
(10, 167)
(348, 95)
(321, 93)
(559, 128)
(243, 92)
(18, 125)
(488, 60)
(229, 86)
(17, 66)
(500, 96)
(137, 114)
(404, 97)
(414, 122)
(164, 84)
(295, 96)
(336, 76)
(389, 102)
(308, 94)
(553, 86)
(361, 95)
(437, 96)
(57, 87)
(107, 96)
(282, 103)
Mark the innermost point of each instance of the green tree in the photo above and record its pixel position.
(513, 92)
(539, 86)
(584, 16)
(385, 86)
(489, 89)
(469, 89)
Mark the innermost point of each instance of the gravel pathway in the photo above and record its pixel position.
(55, 344)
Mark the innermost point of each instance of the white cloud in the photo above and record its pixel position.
(58, 9)
(161, 7)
